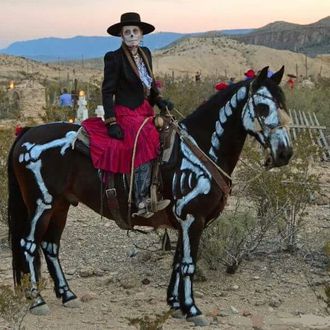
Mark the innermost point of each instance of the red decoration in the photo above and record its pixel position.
(250, 73)
(220, 86)
(18, 130)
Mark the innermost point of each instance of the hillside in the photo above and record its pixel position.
(217, 56)
(221, 56)
(311, 39)
(82, 47)
(20, 68)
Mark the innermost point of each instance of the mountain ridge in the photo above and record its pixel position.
(311, 39)
(54, 49)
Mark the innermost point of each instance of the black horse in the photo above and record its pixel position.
(46, 176)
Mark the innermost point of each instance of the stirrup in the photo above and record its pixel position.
(143, 213)
(161, 205)
(147, 210)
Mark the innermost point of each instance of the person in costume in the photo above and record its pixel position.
(129, 93)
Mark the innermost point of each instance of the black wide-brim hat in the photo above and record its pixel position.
(130, 19)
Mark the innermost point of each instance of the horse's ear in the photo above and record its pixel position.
(277, 76)
(260, 77)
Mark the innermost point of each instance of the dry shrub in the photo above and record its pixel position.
(276, 210)
(6, 137)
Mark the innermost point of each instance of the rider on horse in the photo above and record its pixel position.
(129, 92)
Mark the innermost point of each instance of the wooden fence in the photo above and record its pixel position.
(301, 121)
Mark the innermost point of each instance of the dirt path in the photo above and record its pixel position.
(122, 287)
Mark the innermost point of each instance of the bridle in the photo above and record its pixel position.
(259, 118)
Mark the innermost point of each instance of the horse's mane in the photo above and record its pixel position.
(219, 99)
(213, 104)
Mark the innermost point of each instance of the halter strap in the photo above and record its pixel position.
(213, 168)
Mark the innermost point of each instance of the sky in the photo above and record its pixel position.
(33, 19)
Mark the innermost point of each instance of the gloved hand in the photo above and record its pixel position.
(115, 131)
(162, 104)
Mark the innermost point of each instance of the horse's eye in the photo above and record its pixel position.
(262, 110)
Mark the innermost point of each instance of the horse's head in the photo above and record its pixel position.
(265, 117)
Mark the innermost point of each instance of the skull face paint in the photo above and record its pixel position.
(131, 35)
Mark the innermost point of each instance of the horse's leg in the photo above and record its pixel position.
(50, 246)
(192, 229)
(173, 288)
(29, 246)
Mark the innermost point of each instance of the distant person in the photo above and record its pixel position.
(65, 99)
(198, 76)
(231, 81)
(249, 74)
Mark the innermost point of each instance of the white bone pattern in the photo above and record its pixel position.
(191, 168)
(272, 120)
(51, 253)
(34, 164)
(224, 113)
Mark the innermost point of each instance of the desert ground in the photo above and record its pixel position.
(121, 280)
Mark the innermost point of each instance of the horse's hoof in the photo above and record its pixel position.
(73, 303)
(199, 320)
(177, 314)
(40, 310)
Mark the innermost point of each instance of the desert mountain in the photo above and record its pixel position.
(212, 56)
(20, 68)
(220, 56)
(82, 47)
(311, 39)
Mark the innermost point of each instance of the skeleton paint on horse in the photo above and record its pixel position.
(46, 176)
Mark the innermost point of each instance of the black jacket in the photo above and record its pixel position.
(121, 84)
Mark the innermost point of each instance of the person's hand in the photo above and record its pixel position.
(165, 104)
(115, 131)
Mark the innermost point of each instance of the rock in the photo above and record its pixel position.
(145, 281)
(198, 294)
(259, 303)
(132, 252)
(234, 310)
(129, 282)
(257, 322)
(86, 272)
(224, 313)
(88, 296)
(71, 271)
(275, 302)
(234, 287)
(246, 313)
(98, 272)
(108, 280)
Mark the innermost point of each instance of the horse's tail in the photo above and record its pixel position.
(18, 220)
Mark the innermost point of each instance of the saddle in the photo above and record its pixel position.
(115, 187)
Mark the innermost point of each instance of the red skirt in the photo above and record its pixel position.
(114, 155)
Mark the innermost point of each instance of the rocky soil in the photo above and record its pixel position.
(121, 281)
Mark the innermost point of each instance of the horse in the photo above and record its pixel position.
(46, 176)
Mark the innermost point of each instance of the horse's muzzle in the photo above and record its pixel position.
(279, 158)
